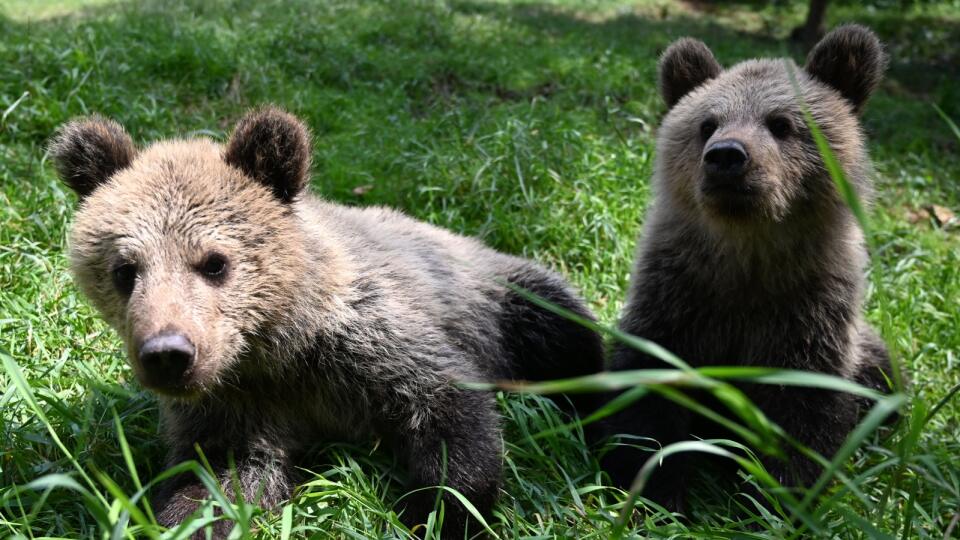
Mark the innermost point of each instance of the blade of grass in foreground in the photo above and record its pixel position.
(286, 522)
(130, 509)
(916, 425)
(615, 405)
(710, 379)
(209, 481)
(23, 387)
(62, 481)
(709, 446)
(463, 500)
(640, 344)
(882, 409)
(948, 120)
(844, 186)
(789, 377)
(131, 466)
(662, 381)
(761, 433)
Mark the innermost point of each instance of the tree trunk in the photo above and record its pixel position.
(813, 28)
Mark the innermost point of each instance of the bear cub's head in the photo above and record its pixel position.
(734, 147)
(190, 250)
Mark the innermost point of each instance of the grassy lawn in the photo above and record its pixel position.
(530, 125)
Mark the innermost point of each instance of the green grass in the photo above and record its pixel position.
(530, 125)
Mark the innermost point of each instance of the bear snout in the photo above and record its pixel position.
(724, 165)
(165, 359)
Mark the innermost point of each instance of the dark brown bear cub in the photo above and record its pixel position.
(268, 320)
(749, 255)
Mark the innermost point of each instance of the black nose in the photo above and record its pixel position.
(165, 359)
(725, 158)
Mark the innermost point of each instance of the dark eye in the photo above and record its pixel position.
(707, 128)
(124, 278)
(780, 126)
(214, 266)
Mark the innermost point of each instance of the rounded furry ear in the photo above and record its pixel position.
(273, 148)
(851, 60)
(88, 151)
(686, 64)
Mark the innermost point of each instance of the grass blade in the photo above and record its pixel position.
(23, 387)
(883, 408)
(844, 187)
(948, 120)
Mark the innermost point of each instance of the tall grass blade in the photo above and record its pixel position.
(131, 465)
(948, 120)
(286, 522)
(844, 187)
(48, 482)
(23, 387)
(789, 377)
(882, 409)
(941, 403)
(129, 509)
(640, 344)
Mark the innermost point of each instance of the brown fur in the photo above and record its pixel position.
(685, 65)
(273, 148)
(772, 275)
(86, 153)
(850, 60)
(328, 322)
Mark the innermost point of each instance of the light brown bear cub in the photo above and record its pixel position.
(268, 320)
(749, 255)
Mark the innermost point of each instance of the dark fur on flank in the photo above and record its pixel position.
(770, 273)
(325, 322)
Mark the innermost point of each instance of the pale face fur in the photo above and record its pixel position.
(276, 321)
(755, 105)
(178, 205)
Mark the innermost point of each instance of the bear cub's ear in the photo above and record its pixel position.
(851, 60)
(272, 147)
(686, 64)
(87, 152)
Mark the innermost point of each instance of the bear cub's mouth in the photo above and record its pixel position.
(736, 188)
(730, 196)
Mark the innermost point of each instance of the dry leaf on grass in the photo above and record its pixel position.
(943, 216)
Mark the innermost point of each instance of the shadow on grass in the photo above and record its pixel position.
(207, 62)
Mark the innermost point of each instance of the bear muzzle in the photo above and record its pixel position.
(165, 361)
(730, 186)
(725, 164)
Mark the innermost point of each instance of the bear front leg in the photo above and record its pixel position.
(456, 445)
(652, 422)
(261, 476)
(817, 419)
(875, 370)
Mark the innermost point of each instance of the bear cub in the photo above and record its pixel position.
(268, 320)
(749, 255)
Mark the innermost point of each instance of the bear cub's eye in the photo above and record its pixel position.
(707, 128)
(124, 278)
(214, 266)
(780, 126)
